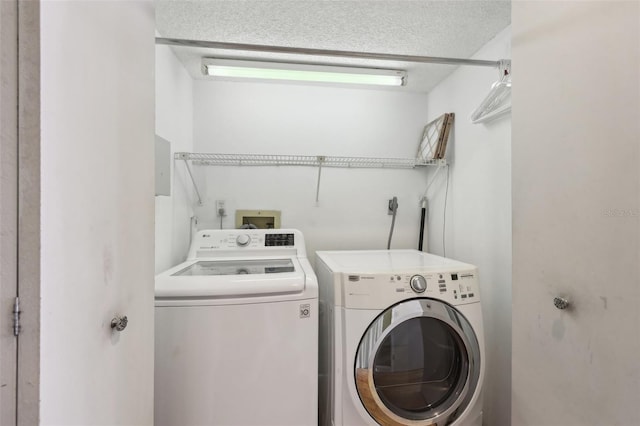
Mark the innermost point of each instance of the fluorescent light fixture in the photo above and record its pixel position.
(227, 68)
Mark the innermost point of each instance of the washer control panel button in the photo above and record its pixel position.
(418, 283)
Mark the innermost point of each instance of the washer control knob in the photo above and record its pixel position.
(243, 240)
(418, 283)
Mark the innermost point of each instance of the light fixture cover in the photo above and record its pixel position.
(302, 72)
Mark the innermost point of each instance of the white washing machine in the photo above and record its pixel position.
(237, 332)
(401, 339)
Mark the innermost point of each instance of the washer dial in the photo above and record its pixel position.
(243, 240)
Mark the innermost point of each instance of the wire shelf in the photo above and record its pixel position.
(304, 160)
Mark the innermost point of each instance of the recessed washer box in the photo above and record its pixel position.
(261, 219)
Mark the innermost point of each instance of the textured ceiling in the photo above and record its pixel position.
(430, 28)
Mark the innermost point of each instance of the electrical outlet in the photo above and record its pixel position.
(220, 209)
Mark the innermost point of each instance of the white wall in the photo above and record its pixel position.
(174, 122)
(478, 211)
(272, 118)
(576, 210)
(97, 209)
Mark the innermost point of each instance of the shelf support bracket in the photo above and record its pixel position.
(320, 161)
(185, 157)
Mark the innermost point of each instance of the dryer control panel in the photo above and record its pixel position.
(378, 291)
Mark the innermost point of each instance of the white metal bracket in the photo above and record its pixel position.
(504, 67)
(185, 157)
(321, 160)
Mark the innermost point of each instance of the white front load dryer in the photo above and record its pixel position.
(401, 339)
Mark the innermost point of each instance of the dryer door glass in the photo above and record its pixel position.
(418, 361)
(418, 366)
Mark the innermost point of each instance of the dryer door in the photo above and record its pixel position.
(418, 363)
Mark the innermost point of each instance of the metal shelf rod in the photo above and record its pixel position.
(326, 52)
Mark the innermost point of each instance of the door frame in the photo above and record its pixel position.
(20, 209)
(29, 211)
(8, 207)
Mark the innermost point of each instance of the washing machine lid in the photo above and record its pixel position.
(388, 261)
(216, 278)
(236, 267)
(418, 363)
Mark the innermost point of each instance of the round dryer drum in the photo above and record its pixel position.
(418, 363)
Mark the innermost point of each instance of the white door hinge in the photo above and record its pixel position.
(16, 316)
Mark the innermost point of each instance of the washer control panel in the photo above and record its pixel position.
(207, 243)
